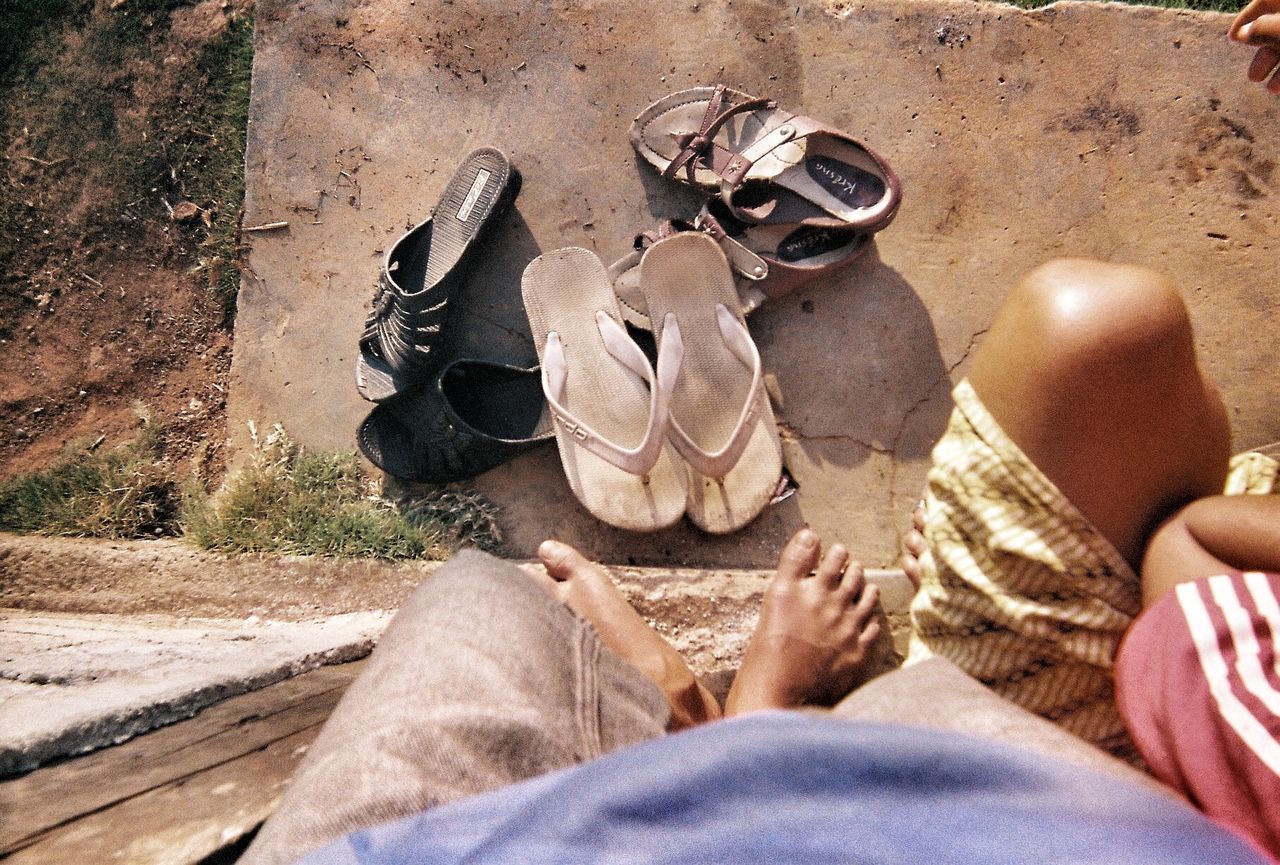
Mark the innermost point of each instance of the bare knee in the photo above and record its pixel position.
(1091, 369)
(1100, 313)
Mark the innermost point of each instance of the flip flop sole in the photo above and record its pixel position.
(563, 291)
(688, 275)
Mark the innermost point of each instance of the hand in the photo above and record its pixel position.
(1258, 24)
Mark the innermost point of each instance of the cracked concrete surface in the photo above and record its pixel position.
(1019, 136)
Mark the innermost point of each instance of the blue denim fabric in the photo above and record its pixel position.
(790, 788)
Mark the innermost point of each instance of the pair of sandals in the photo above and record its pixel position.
(793, 199)
(644, 443)
(796, 200)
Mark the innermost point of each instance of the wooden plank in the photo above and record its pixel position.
(244, 734)
(181, 822)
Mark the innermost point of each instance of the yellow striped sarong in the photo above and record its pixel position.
(1018, 589)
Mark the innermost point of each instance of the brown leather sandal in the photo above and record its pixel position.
(768, 165)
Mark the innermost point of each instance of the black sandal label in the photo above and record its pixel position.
(473, 195)
(810, 242)
(849, 183)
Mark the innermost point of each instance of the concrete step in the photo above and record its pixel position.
(103, 640)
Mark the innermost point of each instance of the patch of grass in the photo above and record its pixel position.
(294, 502)
(289, 501)
(218, 175)
(124, 493)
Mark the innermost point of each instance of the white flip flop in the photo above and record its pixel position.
(721, 422)
(610, 406)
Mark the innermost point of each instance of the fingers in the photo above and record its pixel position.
(1259, 24)
(1258, 9)
(1238, 31)
(1264, 61)
(1262, 31)
(799, 556)
(561, 560)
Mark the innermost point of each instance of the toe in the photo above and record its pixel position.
(911, 567)
(562, 561)
(913, 547)
(540, 576)
(914, 542)
(853, 581)
(866, 605)
(799, 556)
(867, 638)
(834, 563)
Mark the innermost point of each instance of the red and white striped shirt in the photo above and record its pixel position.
(1198, 686)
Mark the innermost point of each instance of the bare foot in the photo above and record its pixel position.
(817, 627)
(585, 588)
(913, 545)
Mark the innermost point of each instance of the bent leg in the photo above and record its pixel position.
(1212, 536)
(1090, 369)
(481, 680)
(1085, 420)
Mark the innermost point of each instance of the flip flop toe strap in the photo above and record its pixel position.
(717, 464)
(640, 459)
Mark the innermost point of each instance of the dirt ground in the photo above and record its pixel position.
(107, 277)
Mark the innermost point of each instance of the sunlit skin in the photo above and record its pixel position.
(816, 635)
(1258, 24)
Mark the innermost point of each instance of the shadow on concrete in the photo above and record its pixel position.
(857, 374)
(488, 319)
(857, 365)
(666, 199)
